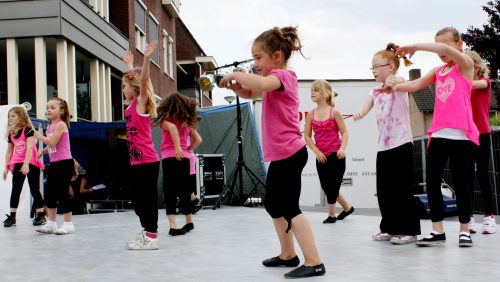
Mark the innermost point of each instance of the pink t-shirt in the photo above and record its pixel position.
(480, 101)
(19, 151)
(452, 107)
(281, 136)
(326, 134)
(62, 150)
(141, 148)
(167, 143)
(393, 119)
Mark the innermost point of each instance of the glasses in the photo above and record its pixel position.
(378, 66)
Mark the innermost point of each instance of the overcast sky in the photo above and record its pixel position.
(339, 36)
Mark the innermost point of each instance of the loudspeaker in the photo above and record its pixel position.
(210, 175)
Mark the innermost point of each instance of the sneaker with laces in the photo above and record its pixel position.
(403, 239)
(381, 237)
(143, 242)
(432, 239)
(472, 225)
(66, 228)
(489, 225)
(464, 240)
(48, 228)
(10, 221)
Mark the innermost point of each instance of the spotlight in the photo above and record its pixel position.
(206, 82)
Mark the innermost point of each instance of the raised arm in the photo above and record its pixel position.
(143, 95)
(128, 59)
(250, 86)
(464, 62)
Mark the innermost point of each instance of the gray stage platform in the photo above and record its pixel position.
(228, 245)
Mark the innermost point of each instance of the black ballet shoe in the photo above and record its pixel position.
(188, 227)
(176, 232)
(330, 219)
(306, 271)
(344, 214)
(276, 261)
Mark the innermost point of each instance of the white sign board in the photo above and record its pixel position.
(360, 174)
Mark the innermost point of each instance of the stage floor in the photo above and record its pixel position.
(228, 244)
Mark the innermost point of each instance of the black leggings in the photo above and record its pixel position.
(330, 176)
(58, 182)
(33, 181)
(481, 159)
(283, 186)
(458, 152)
(177, 183)
(395, 191)
(144, 179)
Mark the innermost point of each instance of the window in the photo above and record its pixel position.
(153, 35)
(168, 58)
(140, 26)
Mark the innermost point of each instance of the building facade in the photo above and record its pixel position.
(73, 49)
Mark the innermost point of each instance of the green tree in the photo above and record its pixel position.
(486, 40)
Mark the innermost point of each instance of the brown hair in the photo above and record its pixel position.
(133, 78)
(389, 53)
(285, 39)
(24, 119)
(484, 70)
(326, 90)
(454, 33)
(63, 105)
(180, 108)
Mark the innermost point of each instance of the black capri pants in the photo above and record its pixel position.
(17, 185)
(177, 184)
(58, 182)
(283, 186)
(330, 175)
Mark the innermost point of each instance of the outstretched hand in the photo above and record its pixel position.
(128, 59)
(150, 48)
(406, 50)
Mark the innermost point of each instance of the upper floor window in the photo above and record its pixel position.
(140, 26)
(153, 35)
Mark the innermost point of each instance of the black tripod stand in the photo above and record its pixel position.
(237, 173)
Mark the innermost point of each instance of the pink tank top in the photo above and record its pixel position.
(19, 152)
(167, 144)
(452, 106)
(62, 150)
(326, 134)
(141, 148)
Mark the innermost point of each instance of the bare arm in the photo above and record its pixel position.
(8, 156)
(143, 96)
(343, 132)
(464, 62)
(128, 59)
(364, 109)
(413, 86)
(250, 86)
(480, 84)
(195, 139)
(52, 140)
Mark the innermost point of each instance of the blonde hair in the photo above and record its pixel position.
(322, 86)
(484, 70)
(389, 53)
(24, 119)
(133, 78)
(285, 39)
(454, 33)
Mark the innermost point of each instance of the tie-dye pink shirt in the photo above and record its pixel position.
(393, 119)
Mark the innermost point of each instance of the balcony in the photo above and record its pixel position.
(172, 7)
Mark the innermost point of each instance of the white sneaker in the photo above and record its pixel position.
(403, 239)
(48, 228)
(143, 242)
(489, 225)
(472, 225)
(382, 237)
(66, 228)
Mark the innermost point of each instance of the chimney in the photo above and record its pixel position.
(414, 74)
